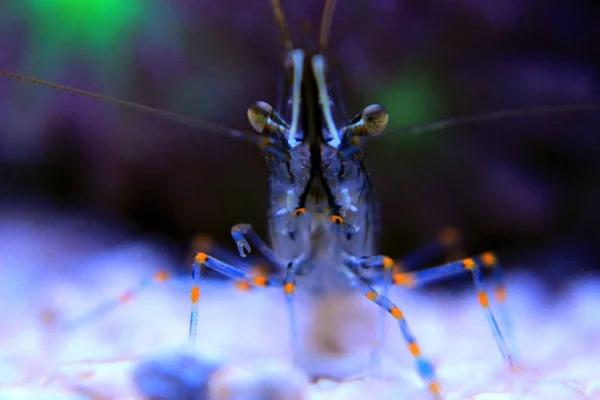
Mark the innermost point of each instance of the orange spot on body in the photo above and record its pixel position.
(483, 299)
(469, 264)
(201, 258)
(388, 263)
(396, 313)
(500, 294)
(336, 219)
(289, 288)
(244, 286)
(404, 279)
(488, 259)
(434, 387)
(414, 349)
(260, 280)
(299, 211)
(195, 294)
(161, 276)
(371, 296)
(126, 297)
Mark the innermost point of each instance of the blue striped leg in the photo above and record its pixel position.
(125, 297)
(204, 260)
(490, 262)
(475, 266)
(446, 241)
(386, 264)
(239, 233)
(289, 288)
(288, 285)
(203, 243)
(424, 367)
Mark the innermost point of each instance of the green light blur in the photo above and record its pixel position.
(411, 99)
(61, 35)
(94, 25)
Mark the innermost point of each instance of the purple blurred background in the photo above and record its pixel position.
(526, 187)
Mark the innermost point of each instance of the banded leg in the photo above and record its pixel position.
(475, 266)
(126, 296)
(425, 368)
(247, 280)
(388, 266)
(289, 288)
(446, 240)
(203, 243)
(204, 260)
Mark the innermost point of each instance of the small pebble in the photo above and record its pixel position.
(178, 375)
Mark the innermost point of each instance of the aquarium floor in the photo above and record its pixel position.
(55, 268)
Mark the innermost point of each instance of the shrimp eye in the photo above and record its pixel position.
(259, 114)
(374, 118)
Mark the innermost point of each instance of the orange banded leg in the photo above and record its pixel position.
(447, 241)
(425, 368)
(475, 266)
(239, 233)
(203, 243)
(125, 297)
(255, 271)
(289, 288)
(490, 262)
(386, 264)
(204, 260)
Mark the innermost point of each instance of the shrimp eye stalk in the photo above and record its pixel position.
(264, 119)
(372, 121)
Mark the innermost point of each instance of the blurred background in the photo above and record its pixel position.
(526, 188)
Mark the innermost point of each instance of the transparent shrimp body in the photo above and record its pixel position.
(313, 227)
(321, 202)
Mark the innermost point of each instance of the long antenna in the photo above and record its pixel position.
(288, 45)
(326, 25)
(194, 123)
(490, 116)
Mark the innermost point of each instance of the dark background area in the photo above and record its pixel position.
(524, 187)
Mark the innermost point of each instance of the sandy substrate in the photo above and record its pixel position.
(54, 269)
